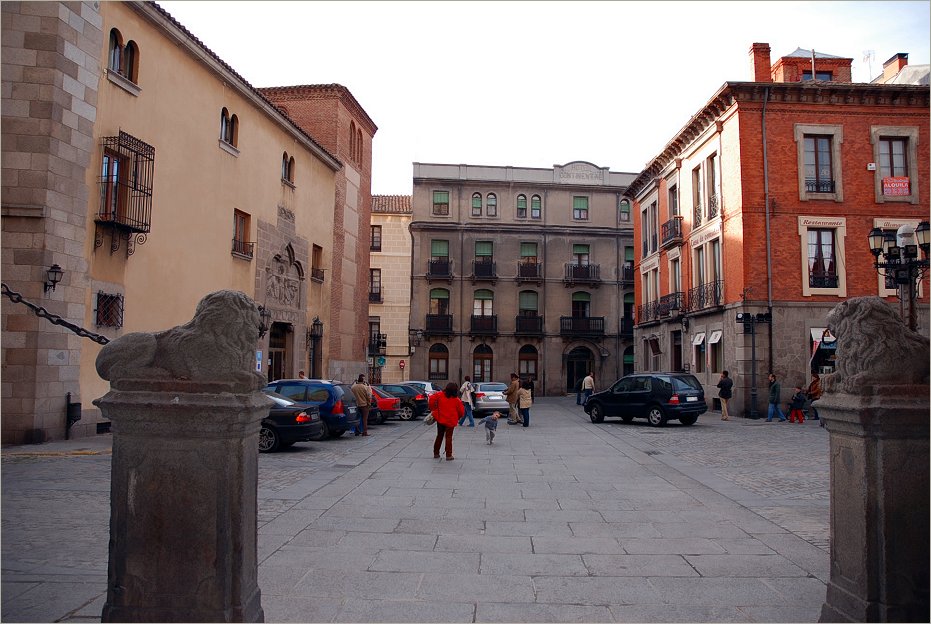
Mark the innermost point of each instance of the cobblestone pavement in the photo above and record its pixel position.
(564, 521)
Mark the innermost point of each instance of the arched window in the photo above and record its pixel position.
(234, 131)
(476, 204)
(439, 301)
(115, 55)
(521, 206)
(482, 364)
(352, 140)
(123, 59)
(359, 144)
(482, 303)
(581, 305)
(536, 207)
(491, 205)
(439, 362)
(226, 129)
(130, 64)
(291, 170)
(527, 362)
(287, 168)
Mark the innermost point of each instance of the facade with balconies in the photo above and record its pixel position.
(756, 207)
(521, 270)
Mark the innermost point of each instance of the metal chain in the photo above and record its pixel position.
(41, 312)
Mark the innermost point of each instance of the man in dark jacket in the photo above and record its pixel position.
(724, 393)
(511, 396)
(774, 390)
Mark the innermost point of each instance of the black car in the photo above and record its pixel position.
(413, 400)
(658, 397)
(288, 422)
(335, 401)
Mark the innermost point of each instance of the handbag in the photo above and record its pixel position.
(429, 420)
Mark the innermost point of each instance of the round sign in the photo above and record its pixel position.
(401, 364)
(380, 361)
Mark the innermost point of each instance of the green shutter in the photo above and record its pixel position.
(629, 254)
(628, 297)
(628, 358)
(528, 250)
(484, 295)
(439, 248)
(440, 197)
(580, 203)
(477, 201)
(439, 293)
(581, 296)
(528, 300)
(535, 202)
(483, 248)
(522, 202)
(578, 250)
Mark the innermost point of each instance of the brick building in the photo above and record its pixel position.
(521, 270)
(762, 204)
(389, 288)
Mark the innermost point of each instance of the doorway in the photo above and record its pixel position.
(278, 351)
(579, 362)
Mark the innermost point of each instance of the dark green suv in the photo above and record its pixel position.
(658, 397)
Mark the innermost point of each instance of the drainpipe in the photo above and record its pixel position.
(769, 257)
(462, 302)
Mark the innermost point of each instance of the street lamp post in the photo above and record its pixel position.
(900, 261)
(749, 322)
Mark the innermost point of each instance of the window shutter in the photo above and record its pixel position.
(528, 250)
(483, 248)
(528, 300)
(439, 248)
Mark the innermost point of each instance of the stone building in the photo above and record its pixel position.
(152, 173)
(389, 288)
(521, 270)
(762, 204)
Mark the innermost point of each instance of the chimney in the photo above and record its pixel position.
(759, 57)
(894, 65)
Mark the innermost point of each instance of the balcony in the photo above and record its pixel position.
(484, 325)
(627, 274)
(819, 186)
(440, 269)
(669, 303)
(375, 296)
(587, 274)
(582, 326)
(706, 296)
(483, 270)
(316, 275)
(714, 206)
(822, 281)
(526, 325)
(439, 325)
(697, 215)
(378, 344)
(671, 233)
(529, 271)
(242, 248)
(627, 327)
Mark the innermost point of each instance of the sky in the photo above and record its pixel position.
(536, 83)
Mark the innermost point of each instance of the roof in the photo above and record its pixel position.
(910, 74)
(325, 91)
(803, 53)
(399, 204)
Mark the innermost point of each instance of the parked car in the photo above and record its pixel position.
(413, 400)
(386, 404)
(658, 397)
(288, 422)
(489, 397)
(427, 387)
(337, 406)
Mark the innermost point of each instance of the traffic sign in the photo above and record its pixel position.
(380, 361)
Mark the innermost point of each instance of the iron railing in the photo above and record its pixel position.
(483, 268)
(705, 296)
(671, 232)
(439, 324)
(582, 272)
(484, 325)
(527, 325)
(243, 248)
(582, 325)
(529, 270)
(819, 186)
(441, 268)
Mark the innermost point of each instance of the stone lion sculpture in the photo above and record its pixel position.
(218, 344)
(874, 347)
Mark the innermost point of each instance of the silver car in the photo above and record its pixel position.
(489, 397)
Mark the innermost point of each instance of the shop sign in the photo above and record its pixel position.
(896, 186)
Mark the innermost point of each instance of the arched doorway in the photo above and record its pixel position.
(278, 351)
(579, 362)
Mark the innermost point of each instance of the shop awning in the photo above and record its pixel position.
(714, 337)
(698, 339)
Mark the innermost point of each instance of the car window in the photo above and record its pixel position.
(280, 400)
(492, 387)
(628, 384)
(663, 383)
(318, 394)
(295, 392)
(686, 383)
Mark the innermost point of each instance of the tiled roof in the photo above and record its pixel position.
(322, 90)
(400, 204)
(802, 53)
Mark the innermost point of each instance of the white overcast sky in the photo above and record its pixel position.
(534, 84)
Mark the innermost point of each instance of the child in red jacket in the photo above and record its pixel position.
(796, 403)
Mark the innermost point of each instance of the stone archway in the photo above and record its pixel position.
(579, 362)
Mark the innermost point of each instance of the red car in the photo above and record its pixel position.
(387, 405)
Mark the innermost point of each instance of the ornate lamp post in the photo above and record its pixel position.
(900, 262)
(314, 335)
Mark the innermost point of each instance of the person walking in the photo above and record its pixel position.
(363, 396)
(774, 390)
(524, 401)
(814, 393)
(588, 387)
(511, 396)
(447, 409)
(724, 393)
(796, 403)
(491, 426)
(578, 391)
(466, 395)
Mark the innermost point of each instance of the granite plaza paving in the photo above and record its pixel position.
(564, 521)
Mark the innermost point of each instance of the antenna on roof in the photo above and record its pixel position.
(868, 56)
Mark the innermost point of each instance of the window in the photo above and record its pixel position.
(819, 158)
(476, 204)
(441, 203)
(352, 141)
(536, 207)
(697, 203)
(439, 301)
(581, 305)
(527, 362)
(484, 251)
(675, 276)
(711, 185)
(229, 128)
(699, 269)
(482, 359)
(109, 312)
(698, 352)
(896, 155)
(644, 235)
(491, 205)
(624, 210)
(287, 168)
(521, 206)
(653, 227)
(528, 253)
(580, 255)
(717, 351)
(439, 249)
(580, 208)
(528, 303)
(123, 60)
(126, 180)
(316, 264)
(482, 303)
(375, 285)
(241, 244)
(359, 147)
(439, 362)
(819, 75)
(822, 257)
(376, 238)
(673, 199)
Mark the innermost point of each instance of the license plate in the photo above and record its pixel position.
(691, 399)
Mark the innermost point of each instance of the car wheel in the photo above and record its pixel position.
(596, 413)
(336, 434)
(627, 419)
(324, 432)
(656, 416)
(269, 441)
(406, 412)
(688, 420)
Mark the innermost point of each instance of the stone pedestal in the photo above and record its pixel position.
(879, 504)
(183, 502)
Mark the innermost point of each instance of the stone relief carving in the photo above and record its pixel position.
(286, 214)
(280, 285)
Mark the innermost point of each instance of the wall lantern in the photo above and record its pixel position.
(265, 320)
(52, 277)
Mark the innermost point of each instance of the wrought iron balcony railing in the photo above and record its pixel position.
(484, 325)
(440, 268)
(714, 206)
(671, 232)
(627, 327)
(627, 274)
(526, 325)
(705, 296)
(483, 268)
(822, 281)
(669, 303)
(243, 248)
(378, 344)
(591, 326)
(590, 273)
(375, 296)
(819, 186)
(439, 324)
(529, 271)
(697, 215)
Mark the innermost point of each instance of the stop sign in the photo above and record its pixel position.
(401, 364)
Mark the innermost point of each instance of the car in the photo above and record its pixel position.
(413, 399)
(288, 422)
(338, 410)
(427, 387)
(489, 397)
(658, 397)
(386, 404)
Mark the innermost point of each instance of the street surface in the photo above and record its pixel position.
(564, 521)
